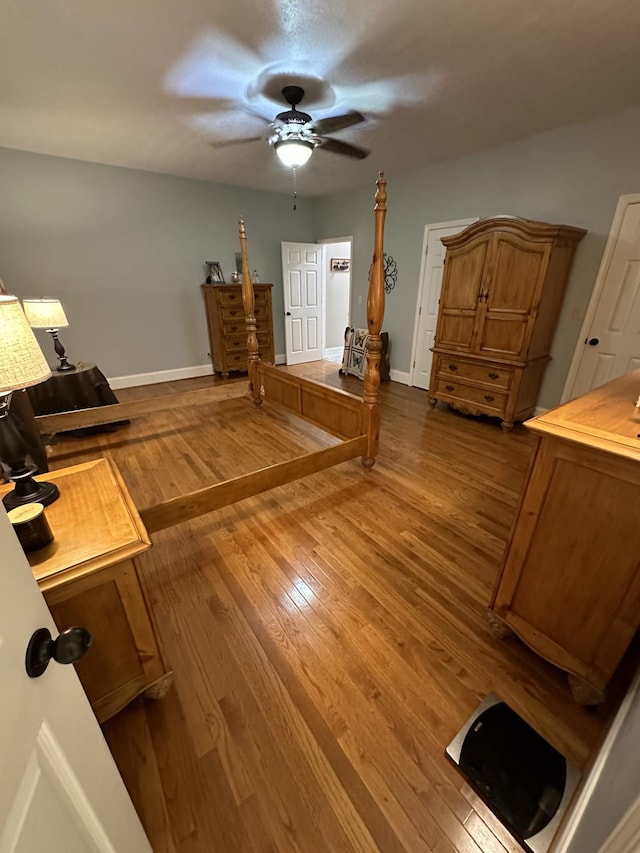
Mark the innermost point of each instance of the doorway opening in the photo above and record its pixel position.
(317, 298)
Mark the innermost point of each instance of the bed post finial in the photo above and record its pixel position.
(375, 313)
(248, 303)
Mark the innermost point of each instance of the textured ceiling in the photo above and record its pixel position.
(150, 84)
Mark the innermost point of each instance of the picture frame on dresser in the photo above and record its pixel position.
(214, 274)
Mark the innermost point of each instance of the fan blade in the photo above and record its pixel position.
(225, 143)
(337, 147)
(333, 124)
(211, 105)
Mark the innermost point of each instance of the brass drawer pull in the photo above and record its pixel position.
(450, 387)
(453, 367)
(489, 398)
(493, 375)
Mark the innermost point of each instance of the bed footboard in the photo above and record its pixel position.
(332, 409)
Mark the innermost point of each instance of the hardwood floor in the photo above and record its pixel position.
(328, 638)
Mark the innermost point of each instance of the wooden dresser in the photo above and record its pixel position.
(89, 576)
(227, 329)
(503, 283)
(570, 583)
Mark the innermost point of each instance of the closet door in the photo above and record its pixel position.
(512, 288)
(460, 295)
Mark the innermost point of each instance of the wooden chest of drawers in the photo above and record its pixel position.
(227, 330)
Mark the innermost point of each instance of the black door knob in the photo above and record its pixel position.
(288, 313)
(593, 342)
(68, 647)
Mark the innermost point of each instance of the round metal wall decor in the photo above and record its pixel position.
(390, 273)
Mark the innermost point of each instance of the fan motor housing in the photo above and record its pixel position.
(293, 117)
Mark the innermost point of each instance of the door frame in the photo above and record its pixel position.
(325, 267)
(598, 290)
(431, 226)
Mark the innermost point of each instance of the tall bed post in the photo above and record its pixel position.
(375, 313)
(248, 303)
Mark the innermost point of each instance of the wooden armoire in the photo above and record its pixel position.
(503, 283)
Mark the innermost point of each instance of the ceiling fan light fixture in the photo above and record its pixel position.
(294, 152)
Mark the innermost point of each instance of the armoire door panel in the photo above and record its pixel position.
(462, 279)
(501, 337)
(455, 331)
(517, 270)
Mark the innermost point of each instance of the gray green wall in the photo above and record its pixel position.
(124, 250)
(574, 176)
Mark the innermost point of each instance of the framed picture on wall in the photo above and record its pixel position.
(340, 264)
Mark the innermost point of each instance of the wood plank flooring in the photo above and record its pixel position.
(328, 637)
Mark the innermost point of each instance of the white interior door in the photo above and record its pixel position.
(429, 296)
(60, 791)
(302, 277)
(609, 344)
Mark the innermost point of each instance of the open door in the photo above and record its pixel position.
(302, 277)
(60, 790)
(609, 343)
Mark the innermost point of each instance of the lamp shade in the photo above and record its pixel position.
(294, 152)
(45, 313)
(22, 363)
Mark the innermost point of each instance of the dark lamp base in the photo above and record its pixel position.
(31, 491)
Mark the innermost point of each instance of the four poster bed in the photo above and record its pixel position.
(353, 419)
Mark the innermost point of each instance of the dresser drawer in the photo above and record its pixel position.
(231, 313)
(233, 343)
(234, 297)
(237, 360)
(461, 370)
(492, 402)
(240, 327)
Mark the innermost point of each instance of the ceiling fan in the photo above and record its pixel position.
(295, 134)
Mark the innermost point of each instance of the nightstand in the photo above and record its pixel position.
(90, 576)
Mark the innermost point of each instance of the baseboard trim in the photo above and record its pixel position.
(156, 376)
(400, 376)
(539, 410)
(334, 354)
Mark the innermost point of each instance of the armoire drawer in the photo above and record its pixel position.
(461, 370)
(483, 397)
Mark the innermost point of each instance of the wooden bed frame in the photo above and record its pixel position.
(353, 419)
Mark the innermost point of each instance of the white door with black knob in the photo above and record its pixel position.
(609, 345)
(60, 790)
(302, 276)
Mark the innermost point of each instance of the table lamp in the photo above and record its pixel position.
(49, 314)
(22, 364)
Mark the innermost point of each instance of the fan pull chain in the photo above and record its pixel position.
(295, 187)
